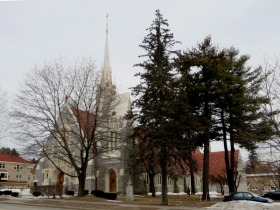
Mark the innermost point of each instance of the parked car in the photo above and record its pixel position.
(274, 195)
(248, 196)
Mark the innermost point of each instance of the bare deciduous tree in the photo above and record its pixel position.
(271, 173)
(64, 112)
(267, 172)
(271, 88)
(268, 165)
(3, 114)
(219, 179)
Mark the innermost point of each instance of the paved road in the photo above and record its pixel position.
(12, 206)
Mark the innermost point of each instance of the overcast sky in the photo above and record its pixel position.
(34, 31)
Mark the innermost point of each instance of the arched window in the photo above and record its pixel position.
(65, 132)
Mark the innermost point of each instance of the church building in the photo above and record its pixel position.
(106, 171)
(109, 170)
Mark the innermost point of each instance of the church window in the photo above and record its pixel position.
(67, 135)
(170, 181)
(158, 179)
(113, 140)
(65, 131)
(180, 181)
(116, 141)
(146, 178)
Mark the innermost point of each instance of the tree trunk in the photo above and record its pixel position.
(176, 187)
(185, 184)
(152, 184)
(222, 189)
(205, 181)
(228, 171)
(96, 181)
(232, 161)
(82, 182)
(206, 142)
(163, 163)
(192, 180)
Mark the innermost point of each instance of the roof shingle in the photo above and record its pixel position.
(13, 159)
(217, 165)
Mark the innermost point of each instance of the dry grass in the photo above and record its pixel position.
(90, 201)
(174, 200)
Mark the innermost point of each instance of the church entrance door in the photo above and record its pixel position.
(113, 185)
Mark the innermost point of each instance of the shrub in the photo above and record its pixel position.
(106, 195)
(70, 192)
(98, 193)
(15, 194)
(36, 193)
(110, 195)
(7, 192)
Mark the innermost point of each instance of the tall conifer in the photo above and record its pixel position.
(154, 94)
(226, 102)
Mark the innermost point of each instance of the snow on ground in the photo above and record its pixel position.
(26, 192)
(245, 205)
(170, 193)
(212, 194)
(236, 205)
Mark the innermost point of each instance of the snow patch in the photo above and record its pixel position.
(245, 205)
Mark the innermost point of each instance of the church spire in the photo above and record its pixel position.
(106, 69)
(106, 63)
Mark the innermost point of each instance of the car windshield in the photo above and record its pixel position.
(254, 195)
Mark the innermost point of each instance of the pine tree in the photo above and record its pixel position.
(202, 65)
(154, 94)
(7, 150)
(239, 109)
(253, 161)
(226, 101)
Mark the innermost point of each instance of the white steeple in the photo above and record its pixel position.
(106, 68)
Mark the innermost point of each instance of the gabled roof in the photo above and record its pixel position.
(217, 165)
(86, 121)
(13, 159)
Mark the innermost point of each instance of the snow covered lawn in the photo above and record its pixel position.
(245, 205)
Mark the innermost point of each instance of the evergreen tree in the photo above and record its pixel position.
(202, 65)
(226, 101)
(7, 150)
(154, 95)
(239, 109)
(251, 164)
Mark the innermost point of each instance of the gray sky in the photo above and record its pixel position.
(34, 31)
